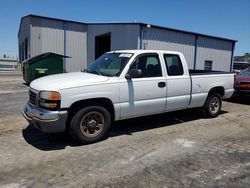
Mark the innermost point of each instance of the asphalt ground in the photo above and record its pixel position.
(180, 149)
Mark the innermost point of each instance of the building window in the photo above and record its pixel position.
(208, 65)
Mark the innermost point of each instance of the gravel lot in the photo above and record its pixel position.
(178, 149)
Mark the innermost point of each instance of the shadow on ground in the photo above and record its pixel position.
(26, 84)
(48, 142)
(240, 99)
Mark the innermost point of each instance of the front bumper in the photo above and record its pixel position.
(45, 120)
(243, 90)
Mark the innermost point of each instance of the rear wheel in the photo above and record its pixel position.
(212, 106)
(90, 124)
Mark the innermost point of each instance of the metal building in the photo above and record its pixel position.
(84, 42)
(9, 64)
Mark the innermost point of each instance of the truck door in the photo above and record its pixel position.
(146, 94)
(178, 83)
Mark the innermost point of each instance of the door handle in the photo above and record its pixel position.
(161, 84)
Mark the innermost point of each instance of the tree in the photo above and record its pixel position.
(247, 57)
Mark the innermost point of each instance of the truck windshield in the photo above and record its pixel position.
(109, 64)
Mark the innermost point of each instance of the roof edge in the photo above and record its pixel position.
(165, 28)
(130, 23)
(190, 32)
(45, 17)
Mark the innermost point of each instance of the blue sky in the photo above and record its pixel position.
(223, 18)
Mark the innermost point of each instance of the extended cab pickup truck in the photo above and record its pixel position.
(121, 85)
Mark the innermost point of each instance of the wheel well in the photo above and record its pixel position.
(217, 90)
(104, 102)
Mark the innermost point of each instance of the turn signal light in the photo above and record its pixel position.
(48, 105)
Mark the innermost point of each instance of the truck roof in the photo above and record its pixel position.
(145, 51)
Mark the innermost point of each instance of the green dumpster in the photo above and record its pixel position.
(42, 65)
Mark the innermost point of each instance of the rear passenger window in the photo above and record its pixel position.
(173, 64)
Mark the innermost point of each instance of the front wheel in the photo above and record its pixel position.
(212, 106)
(90, 124)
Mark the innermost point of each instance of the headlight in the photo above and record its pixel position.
(50, 95)
(49, 100)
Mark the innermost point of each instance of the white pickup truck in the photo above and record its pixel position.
(121, 85)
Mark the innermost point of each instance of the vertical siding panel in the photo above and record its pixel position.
(48, 36)
(25, 32)
(36, 31)
(216, 50)
(52, 36)
(76, 39)
(159, 39)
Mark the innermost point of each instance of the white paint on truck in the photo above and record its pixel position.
(174, 88)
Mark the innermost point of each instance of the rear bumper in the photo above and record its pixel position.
(45, 120)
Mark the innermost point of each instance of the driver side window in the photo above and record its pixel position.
(149, 65)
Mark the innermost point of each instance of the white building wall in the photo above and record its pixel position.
(215, 50)
(24, 33)
(76, 41)
(52, 36)
(8, 64)
(49, 36)
(35, 37)
(46, 36)
(123, 36)
(162, 39)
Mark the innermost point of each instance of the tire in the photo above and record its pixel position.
(90, 124)
(212, 106)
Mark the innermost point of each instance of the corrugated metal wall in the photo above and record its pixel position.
(123, 36)
(52, 36)
(76, 42)
(49, 36)
(216, 50)
(35, 37)
(159, 39)
(46, 36)
(24, 33)
(211, 49)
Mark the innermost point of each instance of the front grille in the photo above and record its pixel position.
(32, 96)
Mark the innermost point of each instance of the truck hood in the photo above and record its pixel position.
(66, 80)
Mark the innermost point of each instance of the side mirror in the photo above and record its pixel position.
(133, 73)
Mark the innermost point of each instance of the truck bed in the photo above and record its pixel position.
(202, 81)
(205, 72)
